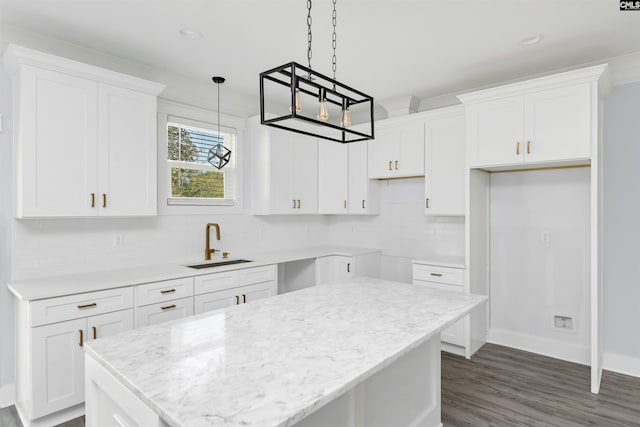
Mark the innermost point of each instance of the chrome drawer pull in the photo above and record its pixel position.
(168, 307)
(167, 291)
(82, 307)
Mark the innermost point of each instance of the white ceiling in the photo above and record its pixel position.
(385, 48)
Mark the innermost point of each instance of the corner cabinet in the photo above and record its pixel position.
(85, 138)
(397, 150)
(284, 171)
(344, 187)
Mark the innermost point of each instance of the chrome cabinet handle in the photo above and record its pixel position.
(168, 307)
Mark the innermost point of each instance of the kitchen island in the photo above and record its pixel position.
(363, 352)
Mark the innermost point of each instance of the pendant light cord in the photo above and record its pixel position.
(334, 43)
(309, 33)
(218, 113)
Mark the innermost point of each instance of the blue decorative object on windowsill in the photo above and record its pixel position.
(219, 156)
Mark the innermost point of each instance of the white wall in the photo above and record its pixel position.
(622, 229)
(401, 231)
(531, 281)
(6, 300)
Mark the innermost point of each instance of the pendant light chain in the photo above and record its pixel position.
(334, 43)
(309, 33)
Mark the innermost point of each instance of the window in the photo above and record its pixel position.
(192, 179)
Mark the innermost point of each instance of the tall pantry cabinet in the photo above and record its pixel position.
(85, 138)
(547, 122)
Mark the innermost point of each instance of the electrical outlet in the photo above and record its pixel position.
(118, 240)
(563, 322)
(545, 237)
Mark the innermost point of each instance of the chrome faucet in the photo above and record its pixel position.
(208, 251)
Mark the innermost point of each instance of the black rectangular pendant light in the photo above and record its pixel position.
(296, 98)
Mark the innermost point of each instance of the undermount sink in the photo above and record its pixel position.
(219, 263)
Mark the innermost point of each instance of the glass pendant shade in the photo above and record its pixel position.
(219, 156)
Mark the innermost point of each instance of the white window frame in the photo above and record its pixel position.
(172, 112)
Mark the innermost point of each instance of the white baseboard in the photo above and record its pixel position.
(7, 395)
(543, 346)
(621, 364)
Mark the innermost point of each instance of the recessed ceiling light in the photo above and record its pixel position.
(531, 40)
(190, 34)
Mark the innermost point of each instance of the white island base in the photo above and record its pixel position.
(405, 393)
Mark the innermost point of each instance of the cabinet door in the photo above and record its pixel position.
(127, 177)
(363, 192)
(381, 153)
(333, 177)
(104, 325)
(304, 176)
(258, 291)
(56, 152)
(409, 158)
(495, 132)
(558, 124)
(57, 366)
(280, 170)
(216, 300)
(164, 312)
(334, 268)
(444, 167)
(454, 334)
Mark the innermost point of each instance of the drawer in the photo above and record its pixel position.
(441, 286)
(249, 276)
(54, 310)
(453, 276)
(215, 282)
(166, 290)
(164, 311)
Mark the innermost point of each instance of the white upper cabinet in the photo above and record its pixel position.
(333, 178)
(284, 171)
(127, 178)
(85, 138)
(344, 187)
(444, 160)
(541, 122)
(397, 150)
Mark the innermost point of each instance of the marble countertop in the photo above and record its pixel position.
(442, 261)
(274, 361)
(56, 286)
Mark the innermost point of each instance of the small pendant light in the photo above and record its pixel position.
(219, 155)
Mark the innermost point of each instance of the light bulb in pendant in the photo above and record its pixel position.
(298, 102)
(323, 109)
(346, 116)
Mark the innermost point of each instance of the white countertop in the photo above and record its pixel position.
(442, 261)
(55, 286)
(274, 361)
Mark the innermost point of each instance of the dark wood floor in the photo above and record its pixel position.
(501, 386)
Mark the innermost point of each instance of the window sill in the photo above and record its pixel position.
(178, 201)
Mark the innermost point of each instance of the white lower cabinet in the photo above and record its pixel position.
(164, 311)
(455, 338)
(57, 360)
(220, 290)
(336, 268)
